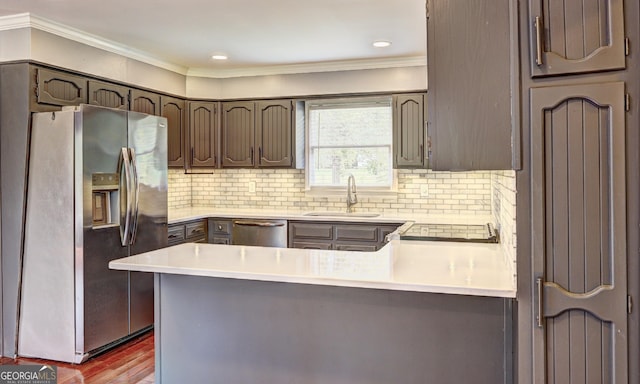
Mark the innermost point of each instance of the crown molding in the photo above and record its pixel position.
(27, 20)
(328, 66)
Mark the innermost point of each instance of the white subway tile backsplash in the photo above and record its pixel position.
(463, 192)
(504, 212)
(449, 193)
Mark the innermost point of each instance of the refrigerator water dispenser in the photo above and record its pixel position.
(104, 202)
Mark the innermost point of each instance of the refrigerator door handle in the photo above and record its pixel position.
(124, 165)
(136, 198)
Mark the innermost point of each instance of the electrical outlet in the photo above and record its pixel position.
(252, 187)
(424, 190)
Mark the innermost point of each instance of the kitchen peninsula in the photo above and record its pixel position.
(412, 312)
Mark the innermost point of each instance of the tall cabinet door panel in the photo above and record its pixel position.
(408, 131)
(274, 133)
(238, 124)
(557, 47)
(108, 95)
(579, 234)
(145, 102)
(174, 110)
(57, 88)
(202, 134)
(473, 84)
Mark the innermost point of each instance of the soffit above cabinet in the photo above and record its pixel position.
(286, 36)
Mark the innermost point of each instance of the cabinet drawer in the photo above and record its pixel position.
(195, 230)
(356, 247)
(310, 245)
(175, 234)
(220, 240)
(222, 227)
(357, 232)
(311, 231)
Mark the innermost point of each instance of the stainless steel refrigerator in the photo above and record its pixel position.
(97, 191)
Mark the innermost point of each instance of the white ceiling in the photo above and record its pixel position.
(253, 33)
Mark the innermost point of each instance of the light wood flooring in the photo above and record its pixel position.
(130, 363)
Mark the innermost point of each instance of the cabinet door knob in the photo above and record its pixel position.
(219, 227)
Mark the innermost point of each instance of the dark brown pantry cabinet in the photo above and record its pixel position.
(578, 192)
(472, 58)
(203, 141)
(557, 47)
(257, 134)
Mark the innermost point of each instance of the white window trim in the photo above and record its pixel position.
(315, 191)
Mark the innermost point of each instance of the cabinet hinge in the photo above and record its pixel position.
(426, 9)
(627, 46)
(627, 102)
(629, 304)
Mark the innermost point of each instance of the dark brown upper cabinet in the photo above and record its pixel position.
(473, 90)
(202, 134)
(145, 102)
(257, 134)
(59, 88)
(108, 95)
(409, 131)
(173, 110)
(238, 134)
(274, 133)
(557, 47)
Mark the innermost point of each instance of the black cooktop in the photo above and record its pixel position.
(483, 233)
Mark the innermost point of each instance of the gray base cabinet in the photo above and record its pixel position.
(220, 231)
(338, 235)
(214, 330)
(194, 231)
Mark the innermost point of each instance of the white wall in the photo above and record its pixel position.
(45, 47)
(15, 44)
(303, 84)
(34, 44)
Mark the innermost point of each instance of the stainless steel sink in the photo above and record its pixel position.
(342, 214)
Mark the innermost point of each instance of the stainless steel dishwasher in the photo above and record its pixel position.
(265, 233)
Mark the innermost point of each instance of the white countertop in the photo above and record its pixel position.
(193, 213)
(422, 266)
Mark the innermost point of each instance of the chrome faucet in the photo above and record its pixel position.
(352, 198)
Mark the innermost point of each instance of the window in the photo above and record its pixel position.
(350, 136)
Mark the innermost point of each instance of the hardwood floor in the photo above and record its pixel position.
(130, 363)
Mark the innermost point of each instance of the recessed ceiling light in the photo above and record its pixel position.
(381, 43)
(219, 57)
